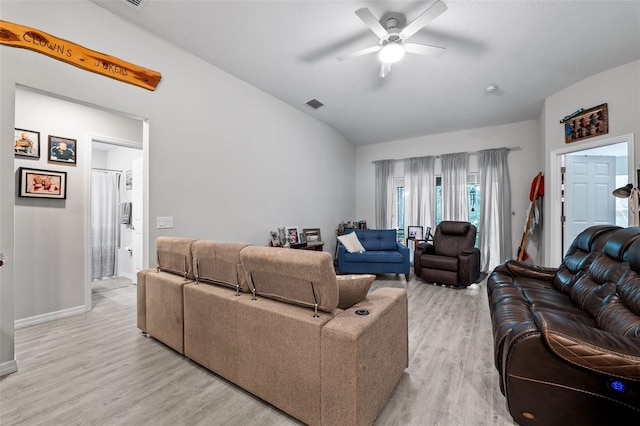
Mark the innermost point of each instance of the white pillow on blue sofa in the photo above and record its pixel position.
(351, 242)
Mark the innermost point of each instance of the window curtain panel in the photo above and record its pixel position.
(384, 193)
(420, 191)
(455, 200)
(495, 215)
(105, 198)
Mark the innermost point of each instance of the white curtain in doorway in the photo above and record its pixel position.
(105, 198)
(495, 215)
(455, 198)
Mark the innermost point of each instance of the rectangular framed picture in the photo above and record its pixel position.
(312, 235)
(26, 143)
(587, 124)
(293, 235)
(128, 179)
(62, 150)
(415, 233)
(37, 183)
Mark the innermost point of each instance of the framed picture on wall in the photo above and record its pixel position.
(26, 143)
(35, 183)
(62, 150)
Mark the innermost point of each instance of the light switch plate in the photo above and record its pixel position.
(164, 222)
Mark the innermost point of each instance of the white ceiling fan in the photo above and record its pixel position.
(393, 34)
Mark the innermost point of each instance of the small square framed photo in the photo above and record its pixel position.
(35, 183)
(62, 150)
(415, 233)
(26, 143)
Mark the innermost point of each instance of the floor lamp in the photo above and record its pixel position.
(633, 193)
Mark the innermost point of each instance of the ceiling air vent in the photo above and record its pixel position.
(136, 3)
(315, 104)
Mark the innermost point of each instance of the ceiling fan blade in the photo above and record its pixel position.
(424, 49)
(358, 53)
(385, 69)
(371, 21)
(432, 12)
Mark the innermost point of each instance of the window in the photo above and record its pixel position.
(473, 192)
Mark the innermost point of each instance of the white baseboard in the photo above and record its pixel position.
(38, 319)
(8, 367)
(126, 275)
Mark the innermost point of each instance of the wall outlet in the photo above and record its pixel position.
(164, 222)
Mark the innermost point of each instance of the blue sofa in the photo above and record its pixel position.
(383, 254)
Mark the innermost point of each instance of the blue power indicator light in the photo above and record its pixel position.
(617, 386)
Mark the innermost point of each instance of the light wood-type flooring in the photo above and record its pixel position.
(96, 369)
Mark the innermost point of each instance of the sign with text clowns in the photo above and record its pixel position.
(32, 39)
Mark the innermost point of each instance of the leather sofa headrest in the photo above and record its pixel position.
(586, 238)
(618, 243)
(634, 256)
(454, 228)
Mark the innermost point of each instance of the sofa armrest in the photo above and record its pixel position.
(530, 271)
(469, 266)
(363, 357)
(589, 347)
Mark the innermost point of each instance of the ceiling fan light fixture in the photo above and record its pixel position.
(391, 53)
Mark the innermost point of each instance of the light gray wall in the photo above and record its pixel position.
(51, 236)
(620, 89)
(227, 161)
(523, 164)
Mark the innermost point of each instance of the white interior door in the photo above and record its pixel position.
(589, 182)
(137, 217)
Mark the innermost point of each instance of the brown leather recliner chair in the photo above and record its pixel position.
(452, 258)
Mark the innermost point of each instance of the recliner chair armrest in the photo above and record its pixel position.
(590, 347)
(530, 271)
(468, 266)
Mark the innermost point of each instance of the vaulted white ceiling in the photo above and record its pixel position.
(529, 49)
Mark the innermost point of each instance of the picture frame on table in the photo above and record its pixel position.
(36, 183)
(62, 150)
(26, 143)
(312, 235)
(415, 233)
(275, 239)
(293, 234)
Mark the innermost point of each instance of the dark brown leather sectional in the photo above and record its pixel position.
(567, 340)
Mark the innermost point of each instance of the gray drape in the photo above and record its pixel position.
(420, 191)
(495, 215)
(384, 193)
(105, 226)
(455, 200)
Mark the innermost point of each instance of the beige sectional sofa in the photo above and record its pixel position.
(267, 319)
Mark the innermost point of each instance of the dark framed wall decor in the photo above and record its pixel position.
(26, 143)
(62, 150)
(36, 183)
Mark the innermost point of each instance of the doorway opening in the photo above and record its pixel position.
(582, 179)
(113, 200)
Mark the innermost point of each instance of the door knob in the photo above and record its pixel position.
(2, 259)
